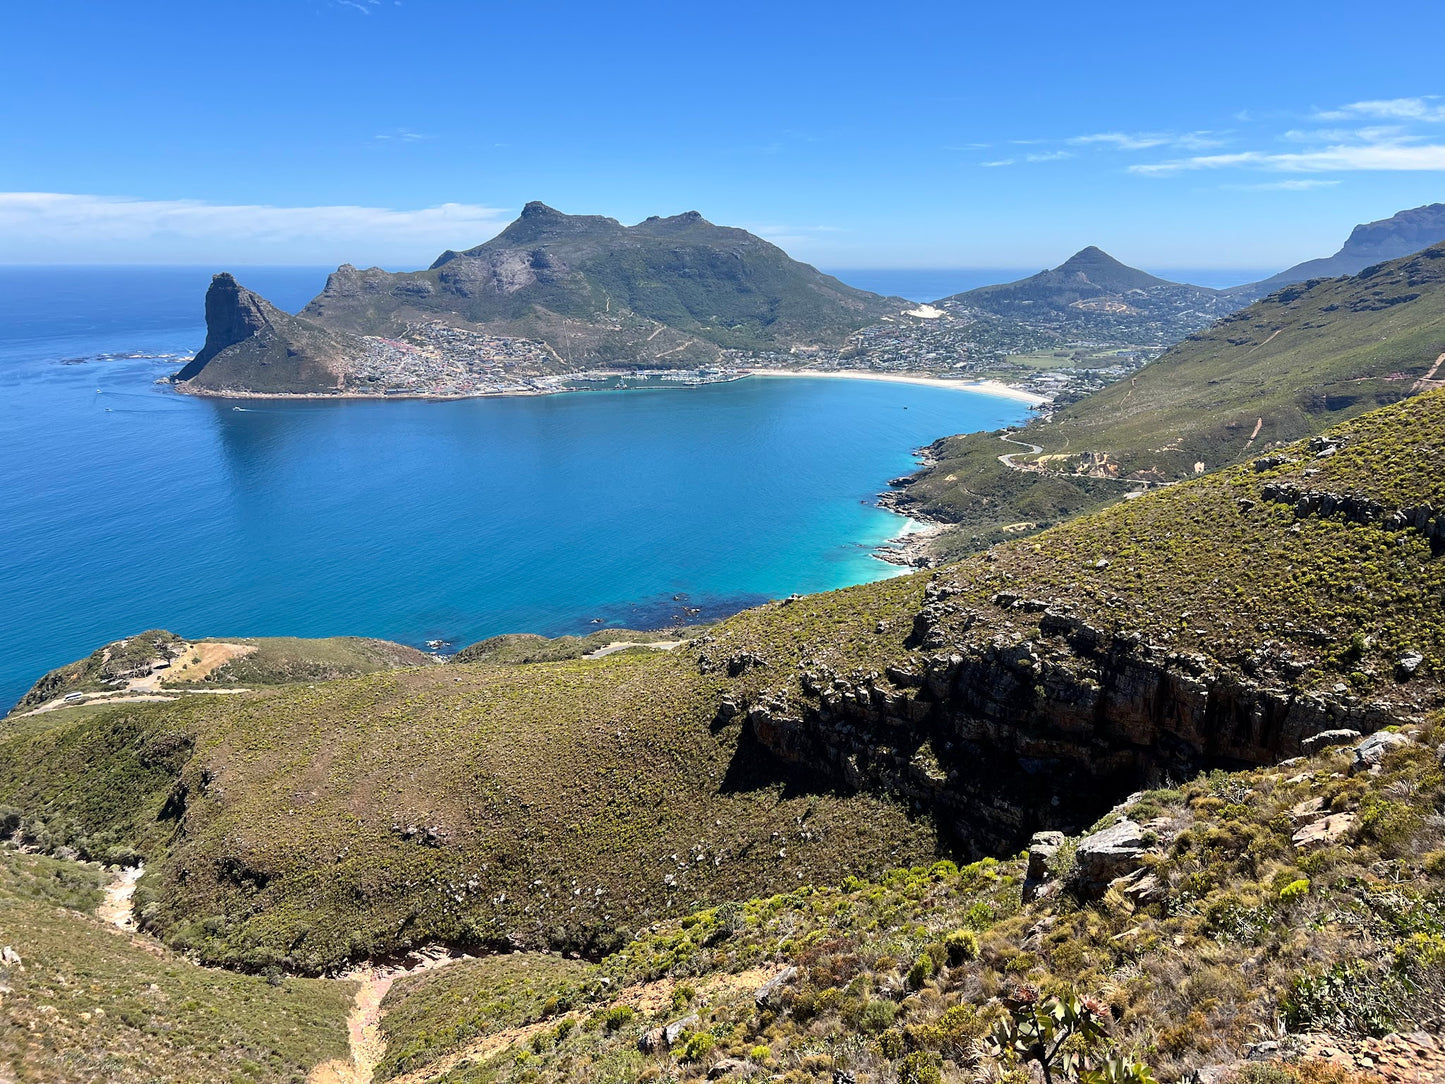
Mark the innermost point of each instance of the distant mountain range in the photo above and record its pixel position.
(551, 293)
(1388, 239)
(1288, 366)
(1093, 293)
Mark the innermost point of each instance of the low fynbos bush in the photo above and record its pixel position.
(1354, 998)
(962, 945)
(698, 1045)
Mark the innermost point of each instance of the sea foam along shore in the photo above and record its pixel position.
(984, 387)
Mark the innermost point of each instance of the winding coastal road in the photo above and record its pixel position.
(1007, 459)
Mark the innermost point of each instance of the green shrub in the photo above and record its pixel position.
(877, 1016)
(1353, 998)
(698, 1045)
(921, 971)
(618, 1017)
(1390, 824)
(962, 945)
(920, 1067)
(1295, 890)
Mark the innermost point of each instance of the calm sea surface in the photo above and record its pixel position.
(124, 506)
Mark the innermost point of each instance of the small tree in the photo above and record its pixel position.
(1041, 1030)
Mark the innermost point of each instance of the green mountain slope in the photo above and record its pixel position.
(597, 291)
(87, 1002)
(1285, 367)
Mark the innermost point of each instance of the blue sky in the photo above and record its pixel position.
(855, 135)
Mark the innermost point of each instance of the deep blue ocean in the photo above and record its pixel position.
(124, 506)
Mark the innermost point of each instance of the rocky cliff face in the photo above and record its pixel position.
(233, 315)
(1043, 725)
(252, 347)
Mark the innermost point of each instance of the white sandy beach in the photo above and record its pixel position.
(985, 387)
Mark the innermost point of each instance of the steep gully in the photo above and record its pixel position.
(363, 1023)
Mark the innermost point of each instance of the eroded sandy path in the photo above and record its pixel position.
(115, 909)
(623, 645)
(363, 1023)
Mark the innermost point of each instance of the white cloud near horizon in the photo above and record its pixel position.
(57, 227)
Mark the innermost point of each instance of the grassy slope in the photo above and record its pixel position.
(281, 659)
(557, 796)
(519, 648)
(91, 1003)
(1294, 363)
(1190, 978)
(1208, 566)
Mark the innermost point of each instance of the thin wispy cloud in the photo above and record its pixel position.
(1391, 156)
(400, 135)
(57, 227)
(1403, 143)
(1300, 184)
(1139, 141)
(1423, 108)
(1125, 141)
(997, 162)
(1048, 156)
(363, 6)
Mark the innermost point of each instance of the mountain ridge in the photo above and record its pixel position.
(1385, 239)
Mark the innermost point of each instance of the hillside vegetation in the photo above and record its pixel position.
(82, 1001)
(1284, 368)
(1293, 910)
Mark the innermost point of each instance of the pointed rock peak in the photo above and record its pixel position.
(1088, 258)
(672, 223)
(1096, 265)
(538, 209)
(233, 315)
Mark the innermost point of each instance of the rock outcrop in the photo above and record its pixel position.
(1001, 734)
(252, 347)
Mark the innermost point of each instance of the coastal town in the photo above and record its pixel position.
(439, 360)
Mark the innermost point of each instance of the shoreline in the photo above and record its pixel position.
(982, 387)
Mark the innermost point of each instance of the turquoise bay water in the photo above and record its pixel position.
(125, 506)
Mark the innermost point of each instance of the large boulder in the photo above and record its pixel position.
(1325, 738)
(1107, 855)
(1370, 752)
